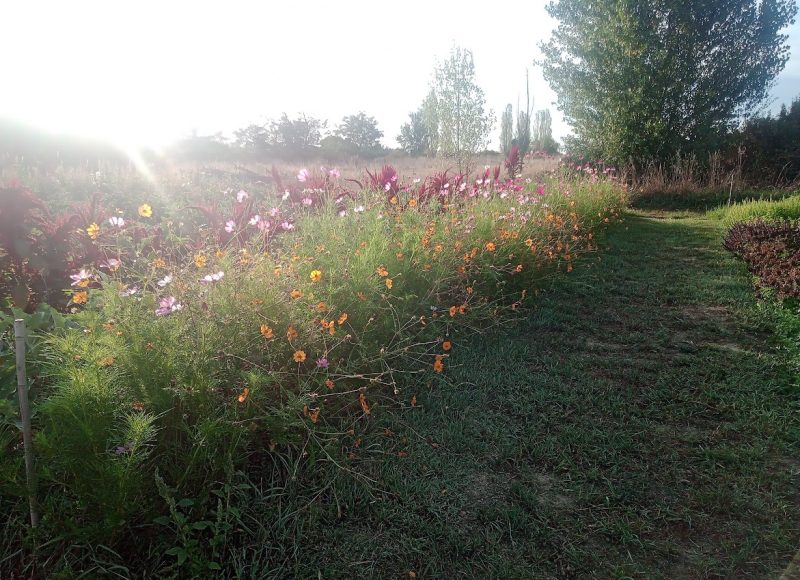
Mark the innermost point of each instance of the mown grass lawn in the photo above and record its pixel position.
(640, 422)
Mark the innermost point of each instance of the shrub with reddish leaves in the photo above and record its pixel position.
(771, 251)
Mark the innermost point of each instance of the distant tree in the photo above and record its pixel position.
(771, 147)
(522, 137)
(464, 123)
(507, 129)
(361, 131)
(414, 137)
(430, 118)
(335, 149)
(643, 80)
(295, 138)
(252, 140)
(203, 148)
(543, 133)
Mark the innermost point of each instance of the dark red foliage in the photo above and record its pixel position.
(37, 251)
(513, 163)
(771, 251)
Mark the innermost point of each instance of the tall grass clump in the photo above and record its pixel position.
(240, 334)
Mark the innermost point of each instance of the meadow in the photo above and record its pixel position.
(307, 371)
(205, 344)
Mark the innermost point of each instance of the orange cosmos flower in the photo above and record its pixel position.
(462, 309)
(312, 414)
(291, 333)
(343, 318)
(447, 345)
(389, 283)
(243, 395)
(296, 294)
(329, 383)
(200, 261)
(321, 307)
(362, 399)
(159, 263)
(382, 272)
(299, 356)
(266, 331)
(518, 269)
(80, 297)
(453, 311)
(529, 242)
(438, 366)
(490, 247)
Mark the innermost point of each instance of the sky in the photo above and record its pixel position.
(146, 73)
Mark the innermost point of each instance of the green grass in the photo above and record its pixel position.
(640, 423)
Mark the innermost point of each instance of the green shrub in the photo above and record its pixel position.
(781, 209)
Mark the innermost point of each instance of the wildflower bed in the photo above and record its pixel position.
(233, 332)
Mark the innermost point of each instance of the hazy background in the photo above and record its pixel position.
(145, 73)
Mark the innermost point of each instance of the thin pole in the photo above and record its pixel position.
(25, 412)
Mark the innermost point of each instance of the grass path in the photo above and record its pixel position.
(639, 423)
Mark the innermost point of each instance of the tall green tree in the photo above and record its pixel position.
(361, 131)
(522, 137)
(430, 118)
(643, 79)
(507, 129)
(543, 132)
(414, 137)
(464, 122)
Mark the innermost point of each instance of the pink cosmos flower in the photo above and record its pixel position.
(303, 175)
(112, 264)
(116, 221)
(241, 196)
(165, 280)
(210, 278)
(230, 225)
(334, 173)
(307, 201)
(274, 212)
(287, 226)
(82, 276)
(168, 305)
(322, 363)
(540, 189)
(254, 220)
(129, 291)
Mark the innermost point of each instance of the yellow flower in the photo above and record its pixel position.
(447, 345)
(490, 247)
(343, 318)
(299, 356)
(389, 283)
(296, 294)
(200, 261)
(93, 231)
(291, 333)
(80, 297)
(145, 210)
(315, 275)
(266, 331)
(219, 253)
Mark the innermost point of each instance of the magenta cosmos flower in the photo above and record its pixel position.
(168, 305)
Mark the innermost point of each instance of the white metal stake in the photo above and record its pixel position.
(25, 412)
